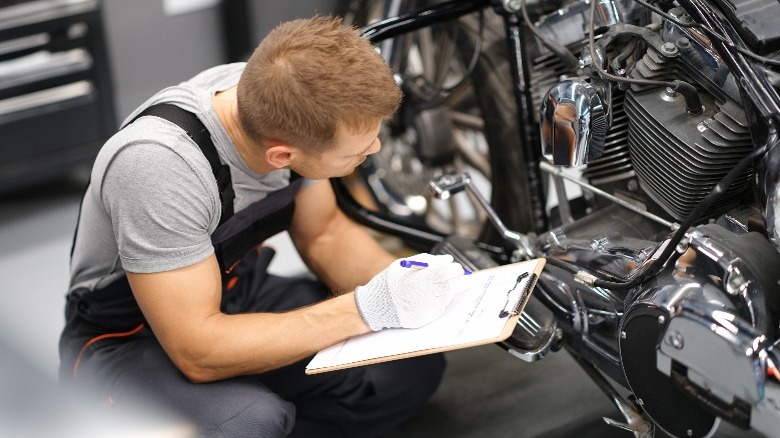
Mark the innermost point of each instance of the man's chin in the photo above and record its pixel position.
(307, 173)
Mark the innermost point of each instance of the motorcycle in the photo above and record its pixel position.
(655, 127)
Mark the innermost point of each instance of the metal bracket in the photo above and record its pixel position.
(511, 6)
(449, 184)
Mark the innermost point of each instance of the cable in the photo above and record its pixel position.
(716, 191)
(559, 50)
(692, 99)
(569, 267)
(617, 62)
(711, 33)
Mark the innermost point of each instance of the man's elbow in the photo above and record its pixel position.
(195, 367)
(197, 374)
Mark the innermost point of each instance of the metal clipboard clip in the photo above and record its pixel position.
(514, 308)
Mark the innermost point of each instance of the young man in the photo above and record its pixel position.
(169, 299)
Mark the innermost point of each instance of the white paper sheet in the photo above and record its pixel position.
(472, 316)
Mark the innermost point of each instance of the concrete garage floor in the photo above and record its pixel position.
(485, 392)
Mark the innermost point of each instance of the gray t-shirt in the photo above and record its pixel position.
(153, 202)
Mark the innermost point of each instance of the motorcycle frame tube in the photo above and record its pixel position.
(379, 221)
(386, 224)
(403, 24)
(526, 124)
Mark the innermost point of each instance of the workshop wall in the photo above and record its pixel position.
(150, 50)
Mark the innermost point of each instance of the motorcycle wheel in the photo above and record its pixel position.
(458, 114)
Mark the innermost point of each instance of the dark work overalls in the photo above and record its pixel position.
(108, 349)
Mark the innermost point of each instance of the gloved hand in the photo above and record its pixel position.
(408, 298)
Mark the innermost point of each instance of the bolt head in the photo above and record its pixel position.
(735, 282)
(676, 340)
(682, 247)
(512, 5)
(683, 43)
(585, 61)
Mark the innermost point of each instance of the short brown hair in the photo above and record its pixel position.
(307, 78)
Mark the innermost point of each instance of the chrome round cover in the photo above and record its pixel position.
(573, 123)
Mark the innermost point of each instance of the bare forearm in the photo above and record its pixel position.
(346, 258)
(340, 252)
(234, 345)
(182, 308)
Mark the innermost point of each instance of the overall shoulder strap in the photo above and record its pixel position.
(195, 129)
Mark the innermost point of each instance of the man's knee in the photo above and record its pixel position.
(426, 376)
(391, 392)
(412, 381)
(266, 415)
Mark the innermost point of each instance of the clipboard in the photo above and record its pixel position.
(485, 308)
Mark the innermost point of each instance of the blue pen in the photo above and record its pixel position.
(419, 265)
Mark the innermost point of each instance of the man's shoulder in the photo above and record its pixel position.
(153, 143)
(164, 137)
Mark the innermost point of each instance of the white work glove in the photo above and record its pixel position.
(406, 297)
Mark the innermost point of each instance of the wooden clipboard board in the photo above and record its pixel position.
(485, 310)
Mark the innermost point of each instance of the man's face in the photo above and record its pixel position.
(349, 152)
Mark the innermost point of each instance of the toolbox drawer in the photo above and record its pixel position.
(48, 121)
(56, 106)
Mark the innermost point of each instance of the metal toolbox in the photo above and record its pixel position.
(56, 105)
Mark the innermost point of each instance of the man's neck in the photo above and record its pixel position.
(226, 107)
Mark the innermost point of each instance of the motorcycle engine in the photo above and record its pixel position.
(656, 154)
(679, 157)
(692, 347)
(692, 341)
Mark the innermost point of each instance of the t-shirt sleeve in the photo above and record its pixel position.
(162, 208)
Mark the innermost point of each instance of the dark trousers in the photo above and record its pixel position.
(363, 402)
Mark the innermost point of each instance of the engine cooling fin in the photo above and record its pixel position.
(681, 157)
(615, 164)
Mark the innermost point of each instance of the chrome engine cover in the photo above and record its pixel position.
(769, 183)
(573, 123)
(706, 323)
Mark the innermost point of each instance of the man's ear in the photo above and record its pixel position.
(278, 154)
